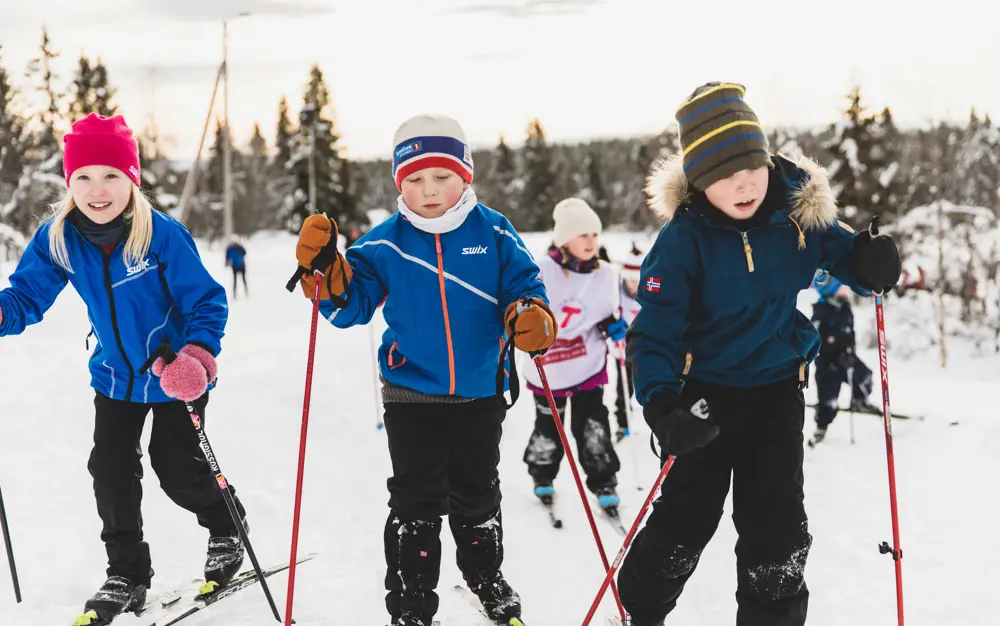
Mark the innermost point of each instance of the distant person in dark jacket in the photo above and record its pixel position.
(837, 363)
(236, 258)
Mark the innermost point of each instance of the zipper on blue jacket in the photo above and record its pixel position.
(747, 250)
(114, 325)
(744, 234)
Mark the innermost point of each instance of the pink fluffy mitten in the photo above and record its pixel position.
(188, 376)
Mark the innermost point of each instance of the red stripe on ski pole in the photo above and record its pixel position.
(576, 477)
(609, 578)
(302, 449)
(896, 551)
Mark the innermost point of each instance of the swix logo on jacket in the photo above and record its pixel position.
(444, 313)
(168, 295)
(132, 271)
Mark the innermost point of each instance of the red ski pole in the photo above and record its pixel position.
(302, 449)
(576, 477)
(609, 578)
(895, 550)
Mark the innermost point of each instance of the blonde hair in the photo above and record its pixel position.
(139, 213)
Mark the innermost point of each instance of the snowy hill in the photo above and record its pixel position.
(944, 466)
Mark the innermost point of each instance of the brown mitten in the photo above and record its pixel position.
(317, 250)
(531, 322)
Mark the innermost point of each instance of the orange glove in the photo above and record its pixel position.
(317, 250)
(531, 322)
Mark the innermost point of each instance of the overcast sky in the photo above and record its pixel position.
(585, 67)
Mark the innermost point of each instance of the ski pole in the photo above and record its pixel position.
(169, 356)
(576, 476)
(851, 379)
(10, 550)
(895, 550)
(302, 448)
(379, 425)
(627, 393)
(609, 577)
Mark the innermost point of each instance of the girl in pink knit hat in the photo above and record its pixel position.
(140, 275)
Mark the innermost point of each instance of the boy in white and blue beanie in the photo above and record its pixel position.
(454, 281)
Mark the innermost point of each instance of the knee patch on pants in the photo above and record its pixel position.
(479, 544)
(782, 578)
(679, 561)
(668, 562)
(542, 450)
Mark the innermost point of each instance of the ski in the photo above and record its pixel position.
(550, 506)
(473, 601)
(614, 517)
(91, 618)
(899, 416)
(204, 600)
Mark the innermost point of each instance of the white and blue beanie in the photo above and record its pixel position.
(430, 141)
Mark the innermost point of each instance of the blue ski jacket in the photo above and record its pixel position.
(718, 304)
(444, 299)
(169, 295)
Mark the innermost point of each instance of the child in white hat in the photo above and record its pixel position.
(584, 298)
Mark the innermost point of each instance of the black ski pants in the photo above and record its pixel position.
(444, 462)
(116, 466)
(237, 273)
(831, 373)
(758, 451)
(591, 431)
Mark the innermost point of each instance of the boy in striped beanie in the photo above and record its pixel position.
(720, 351)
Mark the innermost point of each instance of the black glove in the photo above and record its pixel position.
(679, 428)
(876, 262)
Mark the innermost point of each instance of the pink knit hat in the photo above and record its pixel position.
(98, 140)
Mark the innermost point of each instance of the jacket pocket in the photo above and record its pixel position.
(394, 358)
(801, 337)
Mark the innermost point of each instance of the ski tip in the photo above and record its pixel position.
(515, 622)
(88, 618)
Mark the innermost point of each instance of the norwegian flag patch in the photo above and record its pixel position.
(653, 284)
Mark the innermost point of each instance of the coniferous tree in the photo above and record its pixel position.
(318, 139)
(594, 192)
(538, 196)
(504, 184)
(14, 145)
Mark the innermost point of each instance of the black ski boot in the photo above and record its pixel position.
(225, 557)
(632, 622)
(410, 619)
(819, 434)
(480, 554)
(862, 405)
(116, 596)
(545, 492)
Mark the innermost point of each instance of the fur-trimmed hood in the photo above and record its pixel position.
(812, 204)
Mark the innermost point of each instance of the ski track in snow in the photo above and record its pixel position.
(950, 567)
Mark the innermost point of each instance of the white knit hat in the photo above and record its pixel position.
(573, 217)
(430, 141)
(632, 264)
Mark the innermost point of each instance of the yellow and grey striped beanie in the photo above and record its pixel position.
(720, 134)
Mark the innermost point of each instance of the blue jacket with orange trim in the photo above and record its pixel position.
(719, 304)
(445, 296)
(168, 295)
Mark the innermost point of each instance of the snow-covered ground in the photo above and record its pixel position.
(945, 467)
